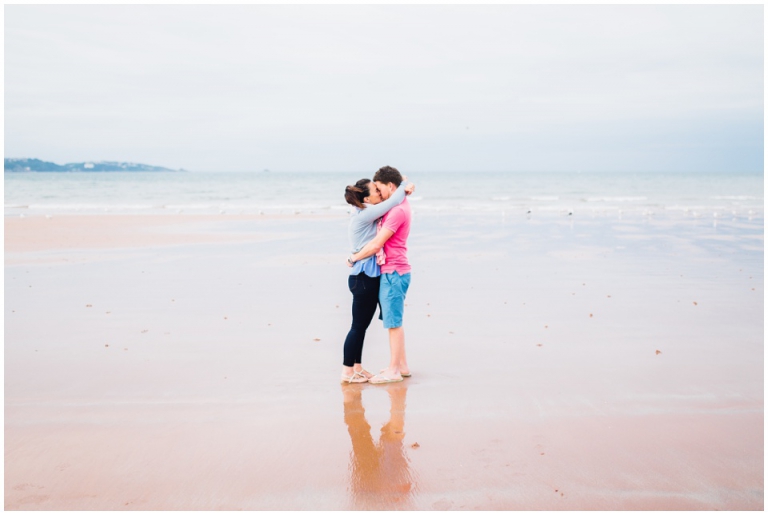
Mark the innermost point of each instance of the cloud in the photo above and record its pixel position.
(296, 87)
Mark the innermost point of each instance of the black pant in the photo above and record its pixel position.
(365, 298)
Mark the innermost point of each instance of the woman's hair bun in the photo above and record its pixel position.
(354, 195)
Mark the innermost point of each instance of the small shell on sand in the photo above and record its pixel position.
(415, 445)
(317, 339)
(658, 352)
(89, 305)
(590, 315)
(695, 303)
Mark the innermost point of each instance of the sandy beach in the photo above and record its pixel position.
(559, 363)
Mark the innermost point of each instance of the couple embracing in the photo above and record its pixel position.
(380, 273)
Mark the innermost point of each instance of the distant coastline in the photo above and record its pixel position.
(37, 165)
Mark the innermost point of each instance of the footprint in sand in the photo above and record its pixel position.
(24, 486)
(34, 499)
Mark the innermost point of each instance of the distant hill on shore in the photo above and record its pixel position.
(36, 165)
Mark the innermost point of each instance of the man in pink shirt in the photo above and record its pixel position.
(395, 273)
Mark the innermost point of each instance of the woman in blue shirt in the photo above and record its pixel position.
(364, 274)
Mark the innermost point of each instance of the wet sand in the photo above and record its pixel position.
(191, 362)
(72, 232)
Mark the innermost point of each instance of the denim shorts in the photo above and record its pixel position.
(392, 298)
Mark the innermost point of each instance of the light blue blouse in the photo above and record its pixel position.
(362, 229)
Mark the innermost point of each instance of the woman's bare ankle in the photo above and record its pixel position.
(359, 369)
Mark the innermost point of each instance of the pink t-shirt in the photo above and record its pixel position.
(397, 220)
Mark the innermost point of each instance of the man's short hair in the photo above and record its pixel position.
(388, 175)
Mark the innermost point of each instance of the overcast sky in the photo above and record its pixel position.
(354, 87)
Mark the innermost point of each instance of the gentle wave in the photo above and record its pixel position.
(58, 207)
(92, 207)
(562, 207)
(616, 199)
(189, 206)
(306, 193)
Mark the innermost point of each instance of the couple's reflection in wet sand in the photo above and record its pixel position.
(380, 473)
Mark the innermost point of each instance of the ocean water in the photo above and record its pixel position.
(705, 195)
